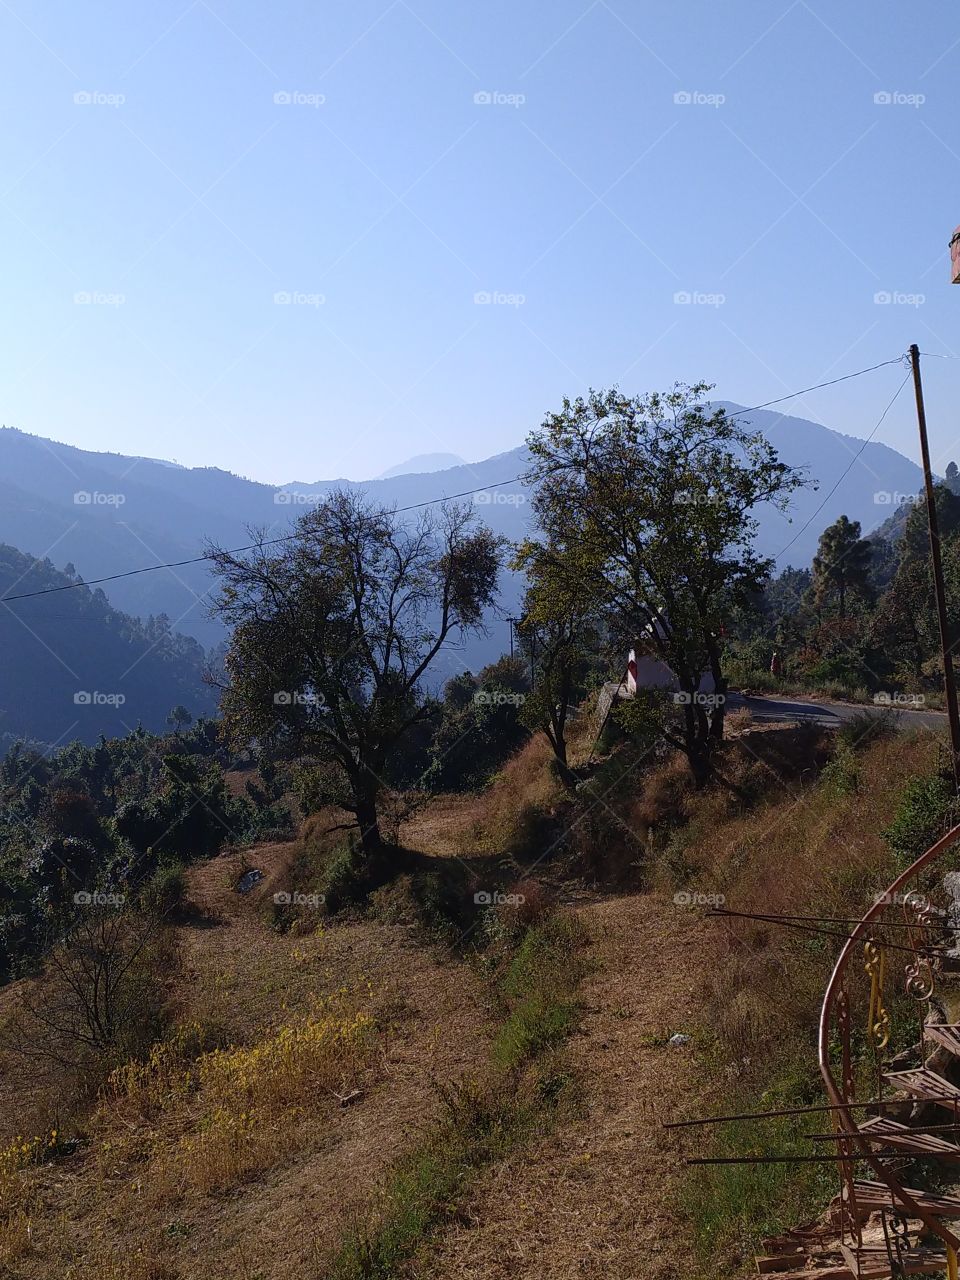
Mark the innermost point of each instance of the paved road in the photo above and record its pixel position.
(829, 714)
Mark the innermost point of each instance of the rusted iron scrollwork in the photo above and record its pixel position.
(923, 924)
(896, 1237)
(920, 940)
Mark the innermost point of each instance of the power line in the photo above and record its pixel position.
(848, 469)
(820, 385)
(253, 546)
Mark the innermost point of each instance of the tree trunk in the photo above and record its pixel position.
(720, 692)
(567, 777)
(696, 736)
(365, 799)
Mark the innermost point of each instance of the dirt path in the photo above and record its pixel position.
(595, 1197)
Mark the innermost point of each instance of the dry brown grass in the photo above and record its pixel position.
(737, 721)
(593, 1198)
(805, 850)
(504, 819)
(224, 1154)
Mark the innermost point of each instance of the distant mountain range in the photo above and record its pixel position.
(106, 513)
(422, 463)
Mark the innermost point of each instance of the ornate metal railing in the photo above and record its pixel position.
(904, 932)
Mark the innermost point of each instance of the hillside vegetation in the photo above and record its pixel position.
(493, 1074)
(75, 667)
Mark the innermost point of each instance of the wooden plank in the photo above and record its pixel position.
(924, 1084)
(903, 1138)
(875, 1195)
(781, 1262)
(828, 1271)
(875, 1263)
(944, 1033)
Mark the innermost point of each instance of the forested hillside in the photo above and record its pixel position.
(75, 667)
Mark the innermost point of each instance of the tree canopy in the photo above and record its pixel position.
(335, 630)
(647, 503)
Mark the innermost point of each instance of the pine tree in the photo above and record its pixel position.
(841, 566)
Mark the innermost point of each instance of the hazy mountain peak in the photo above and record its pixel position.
(423, 464)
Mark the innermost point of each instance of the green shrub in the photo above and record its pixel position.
(866, 728)
(928, 808)
(166, 892)
(483, 1120)
(539, 986)
(841, 776)
(345, 879)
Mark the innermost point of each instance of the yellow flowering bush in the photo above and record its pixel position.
(15, 1193)
(254, 1097)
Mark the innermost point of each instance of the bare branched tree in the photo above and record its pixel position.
(335, 630)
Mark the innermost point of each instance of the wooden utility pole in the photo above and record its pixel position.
(949, 683)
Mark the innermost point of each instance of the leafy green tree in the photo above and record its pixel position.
(560, 626)
(480, 727)
(916, 532)
(179, 717)
(904, 625)
(335, 631)
(901, 624)
(647, 504)
(884, 559)
(841, 567)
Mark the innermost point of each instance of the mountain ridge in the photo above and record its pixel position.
(108, 513)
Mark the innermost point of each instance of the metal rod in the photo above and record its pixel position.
(786, 1111)
(949, 683)
(809, 928)
(851, 1159)
(883, 924)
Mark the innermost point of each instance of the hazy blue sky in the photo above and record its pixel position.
(146, 164)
